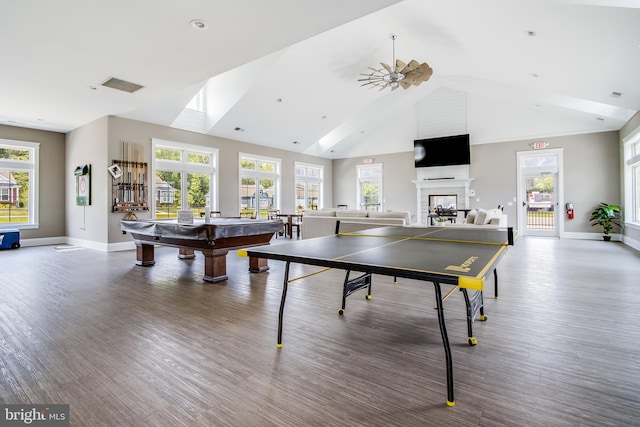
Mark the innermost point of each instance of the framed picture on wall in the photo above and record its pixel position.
(83, 185)
(115, 171)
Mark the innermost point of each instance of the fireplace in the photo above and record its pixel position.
(447, 186)
(444, 204)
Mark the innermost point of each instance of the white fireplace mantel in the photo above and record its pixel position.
(427, 186)
(443, 183)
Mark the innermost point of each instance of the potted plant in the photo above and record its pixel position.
(441, 221)
(606, 216)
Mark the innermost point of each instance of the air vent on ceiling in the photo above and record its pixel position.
(616, 94)
(122, 85)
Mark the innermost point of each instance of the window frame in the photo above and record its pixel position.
(33, 168)
(257, 174)
(361, 180)
(184, 167)
(631, 163)
(306, 180)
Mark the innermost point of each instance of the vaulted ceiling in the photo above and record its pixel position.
(284, 73)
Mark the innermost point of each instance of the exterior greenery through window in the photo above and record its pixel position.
(18, 178)
(185, 179)
(259, 185)
(370, 187)
(309, 182)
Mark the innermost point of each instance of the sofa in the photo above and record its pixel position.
(322, 222)
(483, 217)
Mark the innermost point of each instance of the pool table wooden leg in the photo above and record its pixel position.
(215, 266)
(258, 265)
(144, 255)
(186, 253)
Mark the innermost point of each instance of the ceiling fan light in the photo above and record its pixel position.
(400, 74)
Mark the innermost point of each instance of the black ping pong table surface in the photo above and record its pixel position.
(460, 256)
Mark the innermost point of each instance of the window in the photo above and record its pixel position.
(370, 187)
(309, 180)
(259, 185)
(18, 184)
(632, 179)
(185, 178)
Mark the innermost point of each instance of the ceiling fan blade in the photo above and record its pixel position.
(399, 66)
(412, 65)
(405, 84)
(386, 67)
(420, 74)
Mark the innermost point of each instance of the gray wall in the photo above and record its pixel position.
(591, 176)
(88, 145)
(52, 180)
(120, 129)
(397, 189)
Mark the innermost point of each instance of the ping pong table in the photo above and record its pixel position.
(440, 255)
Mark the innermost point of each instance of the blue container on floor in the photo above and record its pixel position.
(9, 239)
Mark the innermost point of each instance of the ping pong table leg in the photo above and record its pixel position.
(445, 342)
(474, 305)
(495, 283)
(282, 301)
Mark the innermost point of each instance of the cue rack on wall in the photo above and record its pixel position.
(130, 191)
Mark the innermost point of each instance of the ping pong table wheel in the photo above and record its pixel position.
(368, 296)
(341, 311)
(482, 318)
(473, 341)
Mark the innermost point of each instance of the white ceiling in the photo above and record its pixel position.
(287, 70)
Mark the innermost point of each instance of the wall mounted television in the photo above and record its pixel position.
(443, 151)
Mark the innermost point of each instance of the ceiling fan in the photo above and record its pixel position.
(399, 74)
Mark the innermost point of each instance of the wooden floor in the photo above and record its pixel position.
(156, 346)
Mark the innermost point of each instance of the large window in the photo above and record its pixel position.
(632, 179)
(309, 180)
(259, 185)
(18, 184)
(185, 178)
(370, 187)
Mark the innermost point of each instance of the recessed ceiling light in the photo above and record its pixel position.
(239, 129)
(323, 117)
(279, 100)
(530, 33)
(600, 118)
(616, 94)
(295, 142)
(198, 24)
(534, 75)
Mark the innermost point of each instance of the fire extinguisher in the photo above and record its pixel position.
(569, 207)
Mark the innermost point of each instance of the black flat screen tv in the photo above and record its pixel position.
(443, 151)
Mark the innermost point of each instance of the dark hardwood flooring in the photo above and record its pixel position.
(156, 346)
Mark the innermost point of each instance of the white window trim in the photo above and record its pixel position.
(629, 162)
(257, 173)
(184, 166)
(309, 180)
(359, 168)
(34, 167)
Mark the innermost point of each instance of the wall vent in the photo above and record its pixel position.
(122, 85)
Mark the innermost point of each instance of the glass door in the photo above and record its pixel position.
(539, 193)
(540, 205)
